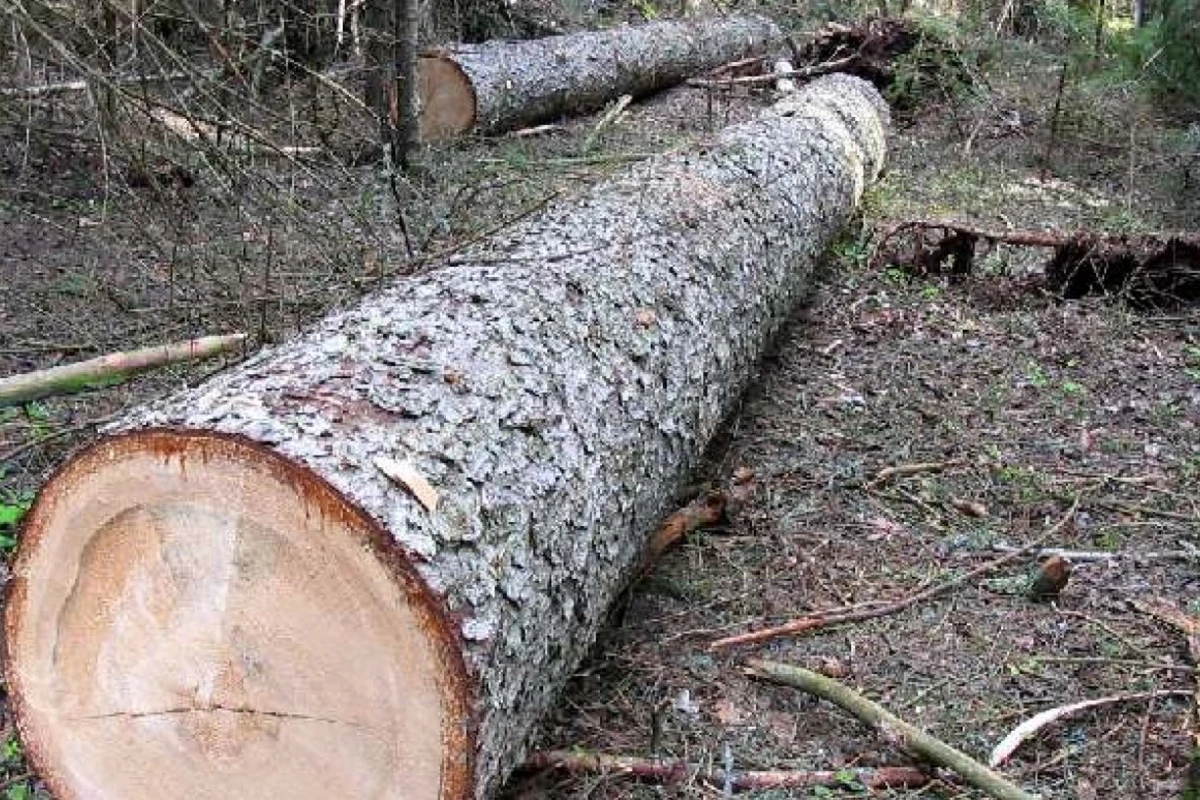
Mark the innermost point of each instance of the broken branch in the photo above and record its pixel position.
(1151, 269)
(110, 369)
(843, 615)
(763, 80)
(1031, 726)
(891, 728)
(904, 470)
(670, 771)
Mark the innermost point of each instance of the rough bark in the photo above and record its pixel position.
(555, 387)
(501, 85)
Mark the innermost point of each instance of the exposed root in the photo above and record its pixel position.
(1148, 270)
(888, 51)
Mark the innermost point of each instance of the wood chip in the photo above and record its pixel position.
(406, 475)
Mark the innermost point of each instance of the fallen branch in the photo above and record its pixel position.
(110, 369)
(1093, 556)
(1151, 269)
(609, 117)
(711, 508)
(1146, 511)
(1166, 611)
(763, 80)
(1025, 238)
(891, 728)
(676, 771)
(905, 470)
(235, 136)
(1031, 726)
(840, 616)
(537, 130)
(43, 89)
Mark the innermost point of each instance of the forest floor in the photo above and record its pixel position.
(1077, 417)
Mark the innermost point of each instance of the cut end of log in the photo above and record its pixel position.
(447, 99)
(193, 616)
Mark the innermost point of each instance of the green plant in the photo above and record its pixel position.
(855, 249)
(12, 750)
(1036, 375)
(1111, 540)
(849, 781)
(13, 508)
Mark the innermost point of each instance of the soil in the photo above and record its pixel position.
(1038, 411)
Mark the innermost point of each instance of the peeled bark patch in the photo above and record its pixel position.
(501, 85)
(228, 596)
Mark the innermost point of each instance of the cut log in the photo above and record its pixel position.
(503, 85)
(228, 597)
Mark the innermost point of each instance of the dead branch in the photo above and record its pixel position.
(671, 771)
(1026, 238)
(1031, 726)
(1150, 269)
(193, 130)
(763, 80)
(1166, 611)
(62, 87)
(110, 369)
(904, 470)
(840, 616)
(891, 728)
(1094, 556)
(537, 130)
(609, 117)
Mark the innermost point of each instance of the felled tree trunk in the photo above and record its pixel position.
(501, 85)
(362, 563)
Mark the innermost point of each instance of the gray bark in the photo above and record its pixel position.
(523, 82)
(557, 384)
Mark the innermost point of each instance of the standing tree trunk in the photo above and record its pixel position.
(1140, 17)
(497, 86)
(363, 563)
(393, 31)
(407, 135)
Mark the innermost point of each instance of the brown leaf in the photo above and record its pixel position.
(727, 713)
(972, 508)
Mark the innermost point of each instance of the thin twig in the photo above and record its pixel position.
(841, 616)
(906, 470)
(20, 450)
(672, 771)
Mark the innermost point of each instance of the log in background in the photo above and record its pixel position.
(501, 85)
(556, 385)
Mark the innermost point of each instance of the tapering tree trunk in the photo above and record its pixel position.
(501, 85)
(363, 563)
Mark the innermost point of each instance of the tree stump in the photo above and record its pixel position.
(362, 563)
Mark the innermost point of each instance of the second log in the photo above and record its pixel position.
(501, 85)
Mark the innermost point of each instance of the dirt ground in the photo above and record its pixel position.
(1032, 412)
